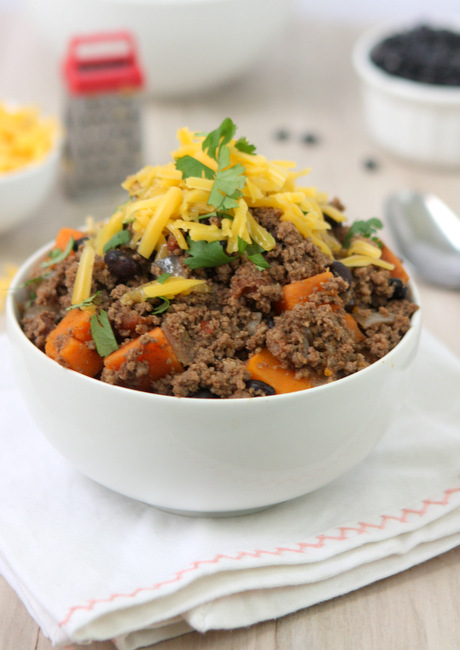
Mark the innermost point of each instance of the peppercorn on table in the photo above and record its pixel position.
(301, 103)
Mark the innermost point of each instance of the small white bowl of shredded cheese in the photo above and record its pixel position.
(29, 160)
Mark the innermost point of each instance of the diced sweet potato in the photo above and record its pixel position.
(399, 271)
(265, 367)
(64, 235)
(301, 291)
(66, 344)
(158, 354)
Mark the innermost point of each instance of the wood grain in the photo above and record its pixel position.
(305, 84)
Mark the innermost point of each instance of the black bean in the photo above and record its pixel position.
(77, 242)
(341, 271)
(261, 386)
(270, 323)
(204, 393)
(399, 289)
(121, 264)
(423, 53)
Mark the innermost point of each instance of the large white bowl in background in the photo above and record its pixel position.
(23, 191)
(186, 46)
(418, 122)
(201, 455)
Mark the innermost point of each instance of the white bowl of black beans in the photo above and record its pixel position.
(410, 74)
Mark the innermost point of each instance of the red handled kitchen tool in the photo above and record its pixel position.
(103, 122)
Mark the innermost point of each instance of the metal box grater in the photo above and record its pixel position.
(103, 113)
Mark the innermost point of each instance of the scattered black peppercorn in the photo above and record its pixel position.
(282, 134)
(310, 138)
(371, 164)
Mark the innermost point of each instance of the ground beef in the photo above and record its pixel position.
(315, 340)
(214, 333)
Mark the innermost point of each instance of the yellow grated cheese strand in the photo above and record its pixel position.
(168, 289)
(332, 212)
(201, 231)
(195, 183)
(83, 278)
(365, 260)
(362, 247)
(108, 230)
(239, 227)
(167, 206)
(172, 227)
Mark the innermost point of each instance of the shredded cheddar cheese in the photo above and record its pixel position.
(82, 286)
(25, 137)
(167, 289)
(163, 200)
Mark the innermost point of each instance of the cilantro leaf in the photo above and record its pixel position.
(243, 145)
(254, 253)
(103, 335)
(119, 238)
(189, 166)
(39, 278)
(205, 254)
(219, 137)
(364, 228)
(226, 187)
(163, 277)
(56, 255)
(215, 213)
(84, 303)
(259, 260)
(163, 306)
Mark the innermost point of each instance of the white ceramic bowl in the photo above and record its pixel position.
(208, 456)
(22, 192)
(418, 122)
(186, 46)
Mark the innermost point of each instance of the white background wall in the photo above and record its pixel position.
(354, 10)
(369, 10)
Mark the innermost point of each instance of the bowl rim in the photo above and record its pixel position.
(12, 323)
(410, 90)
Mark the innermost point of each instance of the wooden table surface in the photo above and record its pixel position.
(305, 85)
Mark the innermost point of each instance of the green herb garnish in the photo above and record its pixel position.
(215, 213)
(163, 277)
(39, 278)
(119, 238)
(102, 333)
(228, 182)
(224, 195)
(254, 253)
(219, 137)
(84, 303)
(32, 298)
(205, 254)
(366, 228)
(160, 309)
(189, 166)
(56, 255)
(243, 145)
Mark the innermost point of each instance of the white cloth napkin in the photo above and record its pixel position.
(90, 564)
